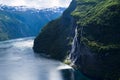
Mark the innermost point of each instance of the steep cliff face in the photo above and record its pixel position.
(100, 40)
(96, 44)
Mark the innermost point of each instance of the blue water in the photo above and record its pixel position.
(18, 62)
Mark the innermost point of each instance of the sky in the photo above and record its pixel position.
(36, 3)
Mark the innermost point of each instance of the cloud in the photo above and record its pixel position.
(36, 3)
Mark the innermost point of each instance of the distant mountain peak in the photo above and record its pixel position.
(25, 8)
(21, 21)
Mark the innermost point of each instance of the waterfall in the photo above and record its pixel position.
(75, 47)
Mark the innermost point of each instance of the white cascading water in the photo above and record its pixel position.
(75, 46)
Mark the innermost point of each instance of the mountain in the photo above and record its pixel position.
(92, 28)
(21, 21)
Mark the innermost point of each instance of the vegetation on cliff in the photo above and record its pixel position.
(100, 21)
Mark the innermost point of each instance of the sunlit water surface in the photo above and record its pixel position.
(18, 62)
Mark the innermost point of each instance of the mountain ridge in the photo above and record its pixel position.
(15, 23)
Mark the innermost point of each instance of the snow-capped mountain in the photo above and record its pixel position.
(22, 21)
(24, 8)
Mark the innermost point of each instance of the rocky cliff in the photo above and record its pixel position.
(92, 28)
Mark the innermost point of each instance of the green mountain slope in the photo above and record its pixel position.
(8, 26)
(98, 24)
(18, 22)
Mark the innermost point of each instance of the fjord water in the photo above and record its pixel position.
(18, 62)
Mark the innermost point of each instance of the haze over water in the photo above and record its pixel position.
(18, 62)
